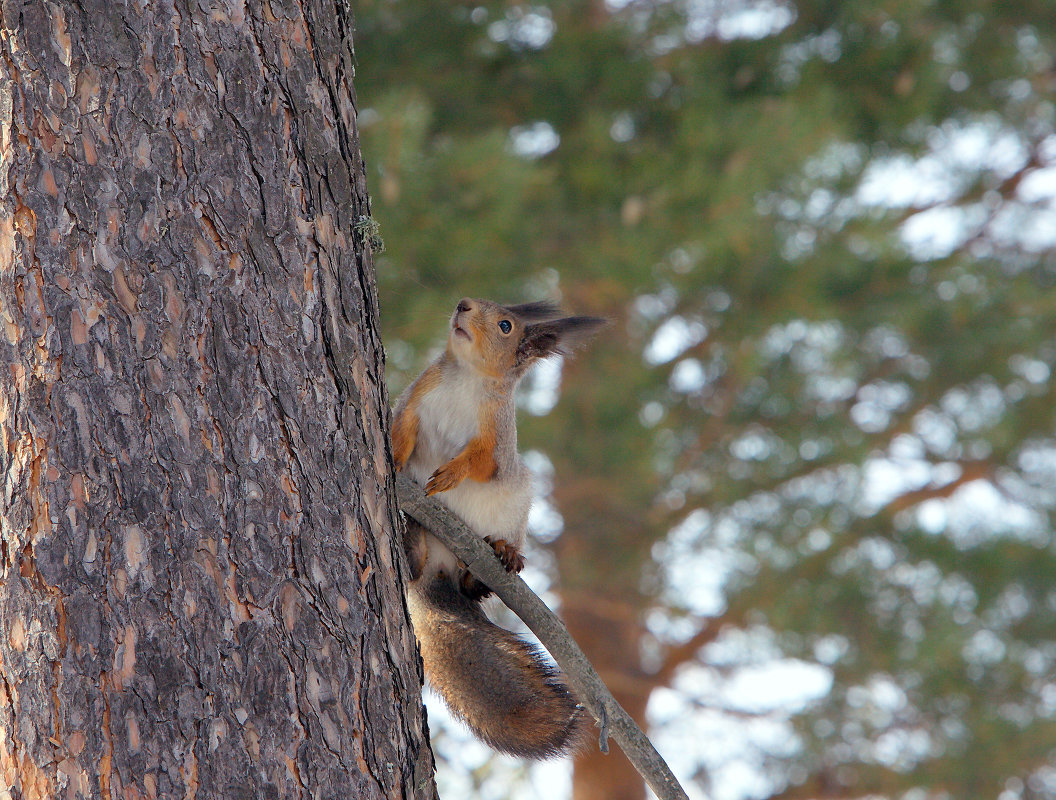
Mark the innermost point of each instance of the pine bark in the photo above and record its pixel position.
(200, 589)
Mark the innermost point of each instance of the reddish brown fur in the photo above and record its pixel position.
(405, 426)
(498, 684)
(505, 689)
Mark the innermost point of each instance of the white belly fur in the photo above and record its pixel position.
(497, 508)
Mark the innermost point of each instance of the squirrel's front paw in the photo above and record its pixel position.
(446, 477)
(508, 554)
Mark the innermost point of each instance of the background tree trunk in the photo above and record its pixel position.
(605, 624)
(597, 775)
(200, 593)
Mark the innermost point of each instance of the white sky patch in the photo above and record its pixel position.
(757, 444)
(651, 413)
(736, 19)
(552, 778)
(1038, 186)
(544, 520)
(1037, 459)
(534, 140)
(937, 232)
(974, 512)
(901, 181)
(933, 187)
(522, 29)
(688, 376)
(788, 686)
(985, 143)
(695, 582)
(697, 561)
(674, 337)
(691, 728)
(877, 403)
(827, 45)
(1032, 228)
(541, 387)
(887, 478)
(978, 512)
(730, 753)
(622, 128)
(654, 306)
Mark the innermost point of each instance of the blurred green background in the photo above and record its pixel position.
(798, 499)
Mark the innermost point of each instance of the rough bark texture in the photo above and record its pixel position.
(200, 592)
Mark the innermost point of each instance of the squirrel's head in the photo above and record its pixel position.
(503, 341)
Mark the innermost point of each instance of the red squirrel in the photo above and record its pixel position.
(455, 434)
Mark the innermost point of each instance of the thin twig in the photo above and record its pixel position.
(583, 678)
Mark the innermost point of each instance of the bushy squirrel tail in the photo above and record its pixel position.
(502, 687)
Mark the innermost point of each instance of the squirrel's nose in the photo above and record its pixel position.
(463, 305)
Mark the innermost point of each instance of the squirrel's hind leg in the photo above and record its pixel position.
(508, 554)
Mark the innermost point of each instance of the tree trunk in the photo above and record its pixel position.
(597, 775)
(200, 592)
(606, 540)
(600, 624)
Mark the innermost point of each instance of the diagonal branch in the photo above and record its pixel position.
(970, 471)
(481, 561)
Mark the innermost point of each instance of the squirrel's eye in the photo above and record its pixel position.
(505, 326)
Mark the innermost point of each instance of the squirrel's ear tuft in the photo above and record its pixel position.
(556, 337)
(535, 312)
(574, 332)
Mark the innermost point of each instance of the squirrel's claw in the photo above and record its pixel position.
(511, 559)
(508, 554)
(446, 477)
